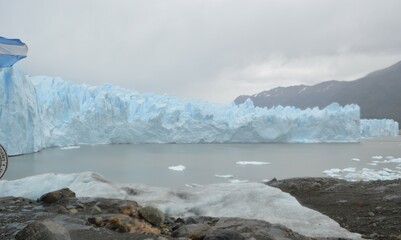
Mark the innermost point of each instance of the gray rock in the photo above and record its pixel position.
(193, 231)
(374, 235)
(152, 215)
(95, 220)
(43, 230)
(95, 210)
(224, 234)
(52, 197)
(249, 228)
(316, 185)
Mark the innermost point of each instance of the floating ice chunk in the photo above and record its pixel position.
(332, 171)
(389, 157)
(223, 176)
(350, 169)
(177, 168)
(377, 157)
(356, 159)
(238, 181)
(365, 174)
(393, 160)
(192, 185)
(252, 163)
(372, 164)
(69, 147)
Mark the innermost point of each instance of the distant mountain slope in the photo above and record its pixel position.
(378, 94)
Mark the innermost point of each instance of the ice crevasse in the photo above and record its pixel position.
(39, 112)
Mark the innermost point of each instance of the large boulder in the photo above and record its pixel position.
(52, 197)
(152, 215)
(43, 230)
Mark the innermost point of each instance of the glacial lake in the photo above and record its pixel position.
(149, 163)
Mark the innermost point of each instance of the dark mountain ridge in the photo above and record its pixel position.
(378, 94)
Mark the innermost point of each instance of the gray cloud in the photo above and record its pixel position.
(210, 49)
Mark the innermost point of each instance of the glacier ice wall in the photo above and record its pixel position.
(38, 112)
(379, 128)
(20, 120)
(80, 114)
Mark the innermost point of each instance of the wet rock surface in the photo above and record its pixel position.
(69, 217)
(371, 208)
(52, 197)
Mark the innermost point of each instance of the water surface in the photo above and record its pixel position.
(149, 163)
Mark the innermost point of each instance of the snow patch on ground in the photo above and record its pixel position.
(237, 181)
(245, 200)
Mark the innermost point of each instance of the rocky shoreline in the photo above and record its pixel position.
(370, 208)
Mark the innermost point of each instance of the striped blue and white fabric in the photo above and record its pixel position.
(11, 51)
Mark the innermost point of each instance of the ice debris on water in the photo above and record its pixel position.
(69, 147)
(368, 174)
(177, 168)
(223, 176)
(252, 163)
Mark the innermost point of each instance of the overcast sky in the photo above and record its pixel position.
(209, 49)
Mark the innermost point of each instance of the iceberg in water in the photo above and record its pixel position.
(39, 112)
(379, 128)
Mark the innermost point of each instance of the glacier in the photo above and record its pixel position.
(245, 200)
(20, 119)
(379, 128)
(39, 112)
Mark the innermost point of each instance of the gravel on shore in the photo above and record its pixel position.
(371, 208)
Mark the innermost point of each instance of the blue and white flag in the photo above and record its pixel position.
(11, 51)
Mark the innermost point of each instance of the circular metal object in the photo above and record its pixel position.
(3, 161)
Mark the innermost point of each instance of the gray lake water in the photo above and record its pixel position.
(149, 163)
